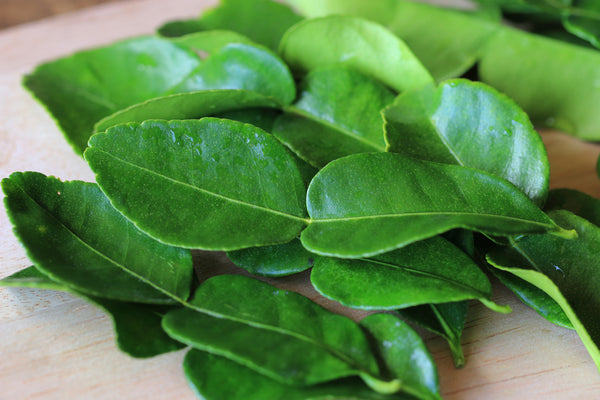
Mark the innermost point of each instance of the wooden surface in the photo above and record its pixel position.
(54, 346)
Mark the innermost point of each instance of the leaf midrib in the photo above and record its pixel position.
(204, 191)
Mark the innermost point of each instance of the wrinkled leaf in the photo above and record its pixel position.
(539, 86)
(174, 180)
(243, 66)
(72, 234)
(137, 326)
(446, 320)
(428, 271)
(210, 377)
(351, 217)
(447, 42)
(567, 270)
(279, 260)
(356, 43)
(579, 203)
(407, 361)
(191, 105)
(263, 21)
(338, 113)
(470, 124)
(294, 340)
(81, 89)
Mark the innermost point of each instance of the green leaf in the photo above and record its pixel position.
(279, 260)
(406, 359)
(81, 89)
(583, 20)
(243, 66)
(356, 43)
(210, 377)
(263, 21)
(209, 42)
(277, 333)
(428, 271)
(470, 124)
(534, 297)
(174, 180)
(193, 105)
(516, 63)
(72, 234)
(351, 217)
(567, 270)
(446, 320)
(579, 203)
(338, 113)
(137, 326)
(447, 51)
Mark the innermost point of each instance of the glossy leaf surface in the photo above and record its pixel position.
(193, 105)
(338, 113)
(279, 260)
(137, 326)
(579, 203)
(174, 180)
(210, 377)
(428, 271)
(539, 87)
(446, 320)
(356, 43)
(243, 66)
(81, 89)
(447, 51)
(564, 269)
(404, 355)
(208, 42)
(72, 234)
(351, 217)
(470, 124)
(294, 340)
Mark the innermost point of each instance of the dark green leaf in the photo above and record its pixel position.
(73, 235)
(567, 270)
(181, 27)
(338, 113)
(137, 326)
(579, 203)
(176, 182)
(428, 271)
(81, 89)
(446, 320)
(243, 66)
(192, 105)
(357, 43)
(279, 260)
(293, 340)
(352, 217)
(211, 378)
(539, 86)
(470, 124)
(404, 355)
(448, 50)
(583, 20)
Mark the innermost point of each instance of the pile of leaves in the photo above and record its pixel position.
(346, 140)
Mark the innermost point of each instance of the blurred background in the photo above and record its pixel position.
(14, 12)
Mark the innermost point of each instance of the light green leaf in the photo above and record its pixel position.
(209, 42)
(338, 113)
(72, 234)
(294, 340)
(428, 271)
(567, 270)
(351, 217)
(174, 180)
(470, 124)
(356, 43)
(81, 89)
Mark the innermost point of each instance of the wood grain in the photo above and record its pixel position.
(55, 346)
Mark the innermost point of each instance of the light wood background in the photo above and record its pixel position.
(54, 346)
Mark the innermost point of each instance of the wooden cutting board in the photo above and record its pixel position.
(54, 346)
